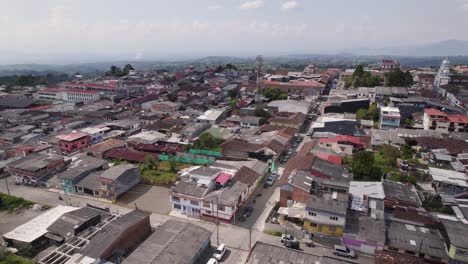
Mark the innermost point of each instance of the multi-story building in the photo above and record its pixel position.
(389, 117)
(72, 95)
(434, 119)
(69, 143)
(96, 133)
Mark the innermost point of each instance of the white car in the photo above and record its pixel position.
(212, 261)
(219, 252)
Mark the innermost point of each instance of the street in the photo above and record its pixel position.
(237, 238)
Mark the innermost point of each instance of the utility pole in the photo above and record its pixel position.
(250, 239)
(217, 221)
(8, 189)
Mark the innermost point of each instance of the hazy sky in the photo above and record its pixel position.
(148, 28)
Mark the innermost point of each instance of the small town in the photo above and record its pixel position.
(239, 160)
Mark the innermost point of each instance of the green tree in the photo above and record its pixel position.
(363, 166)
(127, 68)
(172, 165)
(361, 113)
(233, 93)
(390, 153)
(407, 152)
(260, 112)
(150, 163)
(373, 112)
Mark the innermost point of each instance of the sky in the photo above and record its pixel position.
(150, 29)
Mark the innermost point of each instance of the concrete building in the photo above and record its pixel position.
(96, 133)
(389, 117)
(34, 168)
(434, 119)
(69, 95)
(173, 242)
(72, 142)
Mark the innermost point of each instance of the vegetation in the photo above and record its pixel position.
(361, 78)
(275, 94)
(435, 205)
(116, 71)
(396, 176)
(364, 168)
(260, 112)
(158, 172)
(407, 152)
(6, 257)
(272, 233)
(372, 113)
(233, 93)
(398, 78)
(31, 80)
(11, 203)
(228, 66)
(208, 142)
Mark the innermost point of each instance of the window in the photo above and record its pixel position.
(176, 199)
(194, 203)
(312, 214)
(206, 204)
(177, 206)
(335, 218)
(221, 207)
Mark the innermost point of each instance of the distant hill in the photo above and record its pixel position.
(444, 48)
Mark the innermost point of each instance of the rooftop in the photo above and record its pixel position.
(35, 162)
(37, 227)
(449, 177)
(171, 242)
(72, 137)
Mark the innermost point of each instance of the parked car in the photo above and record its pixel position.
(219, 252)
(287, 237)
(248, 211)
(294, 144)
(269, 181)
(212, 261)
(291, 244)
(343, 251)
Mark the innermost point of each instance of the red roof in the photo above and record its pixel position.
(338, 138)
(72, 136)
(458, 118)
(432, 111)
(69, 91)
(223, 178)
(331, 158)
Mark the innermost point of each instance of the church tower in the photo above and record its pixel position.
(443, 75)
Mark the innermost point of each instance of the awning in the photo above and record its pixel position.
(223, 178)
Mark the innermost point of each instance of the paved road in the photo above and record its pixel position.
(237, 239)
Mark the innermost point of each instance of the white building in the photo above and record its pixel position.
(212, 116)
(68, 95)
(96, 133)
(389, 117)
(443, 75)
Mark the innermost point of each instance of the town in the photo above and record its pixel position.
(228, 164)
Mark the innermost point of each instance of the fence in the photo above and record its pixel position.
(205, 152)
(188, 158)
(283, 229)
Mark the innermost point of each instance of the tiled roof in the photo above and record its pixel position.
(128, 155)
(246, 175)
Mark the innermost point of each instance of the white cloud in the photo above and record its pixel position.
(291, 4)
(215, 7)
(252, 4)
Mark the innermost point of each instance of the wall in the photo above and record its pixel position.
(329, 230)
(279, 228)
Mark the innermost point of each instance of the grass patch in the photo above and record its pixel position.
(12, 203)
(273, 233)
(381, 162)
(162, 174)
(10, 258)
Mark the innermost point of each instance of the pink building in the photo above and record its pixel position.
(72, 142)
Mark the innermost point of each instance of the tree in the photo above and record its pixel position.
(207, 141)
(373, 112)
(390, 153)
(363, 166)
(127, 68)
(260, 112)
(150, 163)
(233, 93)
(172, 165)
(361, 113)
(275, 94)
(407, 152)
(396, 77)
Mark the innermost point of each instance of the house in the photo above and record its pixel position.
(295, 120)
(420, 241)
(364, 233)
(326, 214)
(186, 198)
(456, 240)
(147, 137)
(99, 149)
(96, 133)
(434, 119)
(191, 131)
(72, 142)
(243, 122)
(448, 182)
(389, 117)
(116, 240)
(288, 106)
(342, 144)
(173, 242)
(250, 177)
(223, 204)
(35, 168)
(400, 194)
(265, 253)
(166, 106)
(78, 169)
(212, 116)
(111, 183)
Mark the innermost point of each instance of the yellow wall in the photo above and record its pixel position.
(323, 229)
(452, 254)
